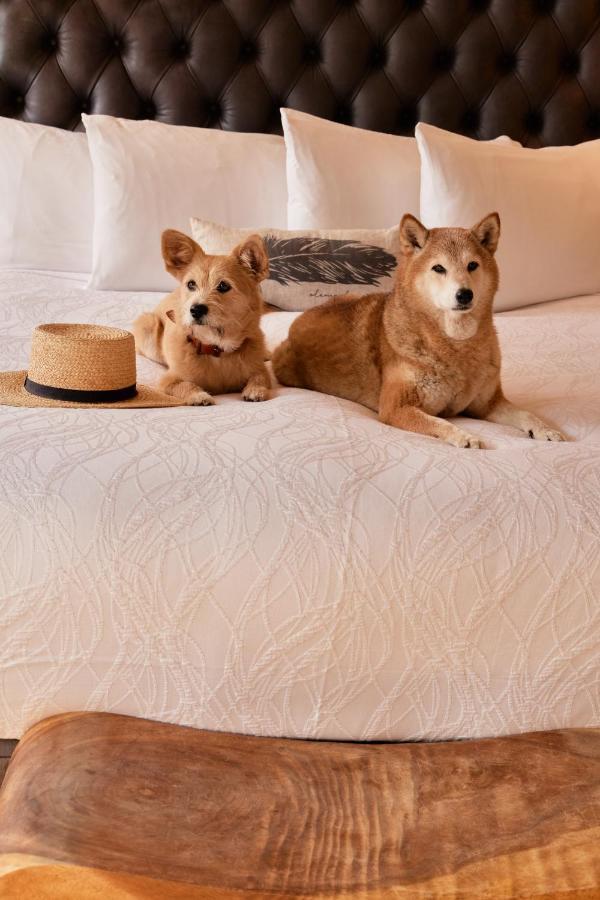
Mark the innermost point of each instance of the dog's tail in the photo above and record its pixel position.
(285, 366)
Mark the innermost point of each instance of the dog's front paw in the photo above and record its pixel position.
(543, 433)
(199, 398)
(461, 439)
(255, 394)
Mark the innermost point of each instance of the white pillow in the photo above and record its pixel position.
(345, 177)
(149, 176)
(308, 267)
(548, 201)
(46, 199)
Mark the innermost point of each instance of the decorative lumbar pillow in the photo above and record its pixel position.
(548, 201)
(46, 198)
(308, 267)
(344, 177)
(149, 176)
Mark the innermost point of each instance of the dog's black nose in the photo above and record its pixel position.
(198, 311)
(464, 296)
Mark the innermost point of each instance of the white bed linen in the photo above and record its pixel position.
(294, 567)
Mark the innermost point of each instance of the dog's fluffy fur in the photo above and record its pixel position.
(415, 355)
(171, 334)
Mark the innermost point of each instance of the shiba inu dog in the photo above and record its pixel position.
(426, 351)
(207, 332)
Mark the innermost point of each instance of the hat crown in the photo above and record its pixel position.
(82, 357)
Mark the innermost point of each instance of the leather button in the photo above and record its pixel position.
(507, 62)
(248, 51)
(84, 106)
(407, 119)
(593, 122)
(312, 53)
(571, 63)
(378, 57)
(534, 121)
(52, 42)
(470, 120)
(444, 59)
(344, 115)
(181, 50)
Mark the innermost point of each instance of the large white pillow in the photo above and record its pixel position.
(149, 176)
(46, 199)
(548, 201)
(345, 177)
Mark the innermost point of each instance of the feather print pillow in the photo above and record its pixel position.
(308, 267)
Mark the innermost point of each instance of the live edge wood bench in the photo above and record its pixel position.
(97, 805)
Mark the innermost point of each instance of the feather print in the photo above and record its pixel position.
(297, 260)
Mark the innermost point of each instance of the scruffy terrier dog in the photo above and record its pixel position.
(207, 332)
(428, 349)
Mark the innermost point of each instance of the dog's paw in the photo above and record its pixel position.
(255, 394)
(543, 433)
(199, 398)
(462, 439)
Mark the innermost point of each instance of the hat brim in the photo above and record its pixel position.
(13, 393)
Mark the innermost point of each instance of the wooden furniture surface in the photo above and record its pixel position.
(6, 749)
(238, 815)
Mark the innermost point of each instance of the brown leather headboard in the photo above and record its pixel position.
(482, 67)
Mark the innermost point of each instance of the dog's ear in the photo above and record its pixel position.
(252, 254)
(487, 232)
(413, 235)
(178, 250)
(170, 314)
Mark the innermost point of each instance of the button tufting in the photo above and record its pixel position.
(534, 121)
(404, 55)
(571, 63)
(378, 57)
(507, 62)
(344, 115)
(181, 49)
(444, 58)
(593, 121)
(248, 51)
(407, 119)
(470, 120)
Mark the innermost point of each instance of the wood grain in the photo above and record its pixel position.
(6, 749)
(493, 818)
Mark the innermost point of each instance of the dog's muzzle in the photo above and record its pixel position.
(198, 311)
(464, 298)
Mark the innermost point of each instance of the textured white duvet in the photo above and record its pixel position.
(294, 567)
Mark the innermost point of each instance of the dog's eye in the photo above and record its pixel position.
(472, 266)
(439, 269)
(223, 287)
(191, 285)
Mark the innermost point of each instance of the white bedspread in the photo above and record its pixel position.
(294, 567)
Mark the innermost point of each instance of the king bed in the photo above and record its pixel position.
(295, 568)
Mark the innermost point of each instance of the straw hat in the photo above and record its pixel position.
(80, 366)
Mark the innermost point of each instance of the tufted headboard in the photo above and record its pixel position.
(526, 68)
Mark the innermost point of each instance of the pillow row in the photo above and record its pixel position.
(147, 176)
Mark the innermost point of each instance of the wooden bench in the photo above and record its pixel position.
(240, 816)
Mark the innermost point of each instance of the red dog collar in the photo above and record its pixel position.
(205, 349)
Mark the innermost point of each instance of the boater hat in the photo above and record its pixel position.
(80, 366)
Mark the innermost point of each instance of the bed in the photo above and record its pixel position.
(295, 568)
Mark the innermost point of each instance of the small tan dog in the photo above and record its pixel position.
(427, 350)
(207, 332)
